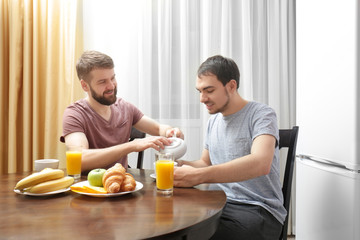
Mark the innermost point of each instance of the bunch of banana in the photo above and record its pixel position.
(47, 180)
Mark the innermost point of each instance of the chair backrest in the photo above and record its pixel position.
(288, 139)
(138, 134)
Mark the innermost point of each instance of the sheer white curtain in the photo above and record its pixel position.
(158, 45)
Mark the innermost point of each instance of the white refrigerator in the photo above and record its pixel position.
(328, 115)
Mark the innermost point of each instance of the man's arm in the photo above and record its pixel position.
(98, 158)
(204, 161)
(257, 163)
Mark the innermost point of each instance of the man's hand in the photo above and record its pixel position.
(186, 176)
(174, 132)
(155, 142)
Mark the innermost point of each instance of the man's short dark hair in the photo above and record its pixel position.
(225, 69)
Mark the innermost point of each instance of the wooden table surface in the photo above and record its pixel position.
(191, 213)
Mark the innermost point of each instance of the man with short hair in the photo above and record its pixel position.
(241, 154)
(101, 123)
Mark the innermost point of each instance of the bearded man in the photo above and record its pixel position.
(101, 123)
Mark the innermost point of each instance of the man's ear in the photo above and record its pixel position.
(84, 85)
(232, 85)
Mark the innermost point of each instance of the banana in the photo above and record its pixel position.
(39, 177)
(51, 185)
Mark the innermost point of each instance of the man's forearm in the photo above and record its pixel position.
(196, 163)
(99, 158)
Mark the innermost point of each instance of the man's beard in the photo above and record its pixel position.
(102, 100)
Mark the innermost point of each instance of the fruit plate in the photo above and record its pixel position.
(42, 194)
(139, 186)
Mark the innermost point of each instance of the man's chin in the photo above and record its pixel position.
(212, 111)
(111, 101)
(106, 101)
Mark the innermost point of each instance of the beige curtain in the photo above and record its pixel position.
(39, 44)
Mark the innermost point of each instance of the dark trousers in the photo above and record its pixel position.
(245, 221)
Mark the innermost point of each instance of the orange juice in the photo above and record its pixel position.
(73, 162)
(164, 174)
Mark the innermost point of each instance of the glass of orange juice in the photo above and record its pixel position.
(73, 161)
(164, 165)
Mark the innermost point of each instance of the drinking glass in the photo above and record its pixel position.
(73, 161)
(164, 164)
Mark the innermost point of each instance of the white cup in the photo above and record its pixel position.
(46, 163)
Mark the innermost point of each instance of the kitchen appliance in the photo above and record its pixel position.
(177, 147)
(328, 115)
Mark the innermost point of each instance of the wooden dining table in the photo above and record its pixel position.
(190, 213)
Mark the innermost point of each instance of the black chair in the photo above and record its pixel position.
(137, 134)
(288, 139)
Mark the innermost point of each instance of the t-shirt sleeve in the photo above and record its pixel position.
(137, 114)
(265, 122)
(72, 122)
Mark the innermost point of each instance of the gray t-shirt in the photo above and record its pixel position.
(231, 137)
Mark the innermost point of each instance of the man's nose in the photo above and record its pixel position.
(203, 97)
(111, 85)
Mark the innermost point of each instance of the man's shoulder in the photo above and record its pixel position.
(258, 105)
(80, 102)
(78, 108)
(260, 108)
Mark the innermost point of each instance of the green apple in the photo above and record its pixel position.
(95, 177)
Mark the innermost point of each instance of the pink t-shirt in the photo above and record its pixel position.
(80, 117)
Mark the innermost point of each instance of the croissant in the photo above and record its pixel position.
(113, 178)
(128, 184)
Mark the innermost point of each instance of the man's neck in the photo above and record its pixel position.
(236, 104)
(103, 110)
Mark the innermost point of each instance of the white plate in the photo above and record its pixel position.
(139, 186)
(153, 176)
(42, 194)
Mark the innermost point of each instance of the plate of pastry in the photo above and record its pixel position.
(97, 191)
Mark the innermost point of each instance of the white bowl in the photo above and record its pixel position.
(46, 163)
(177, 147)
